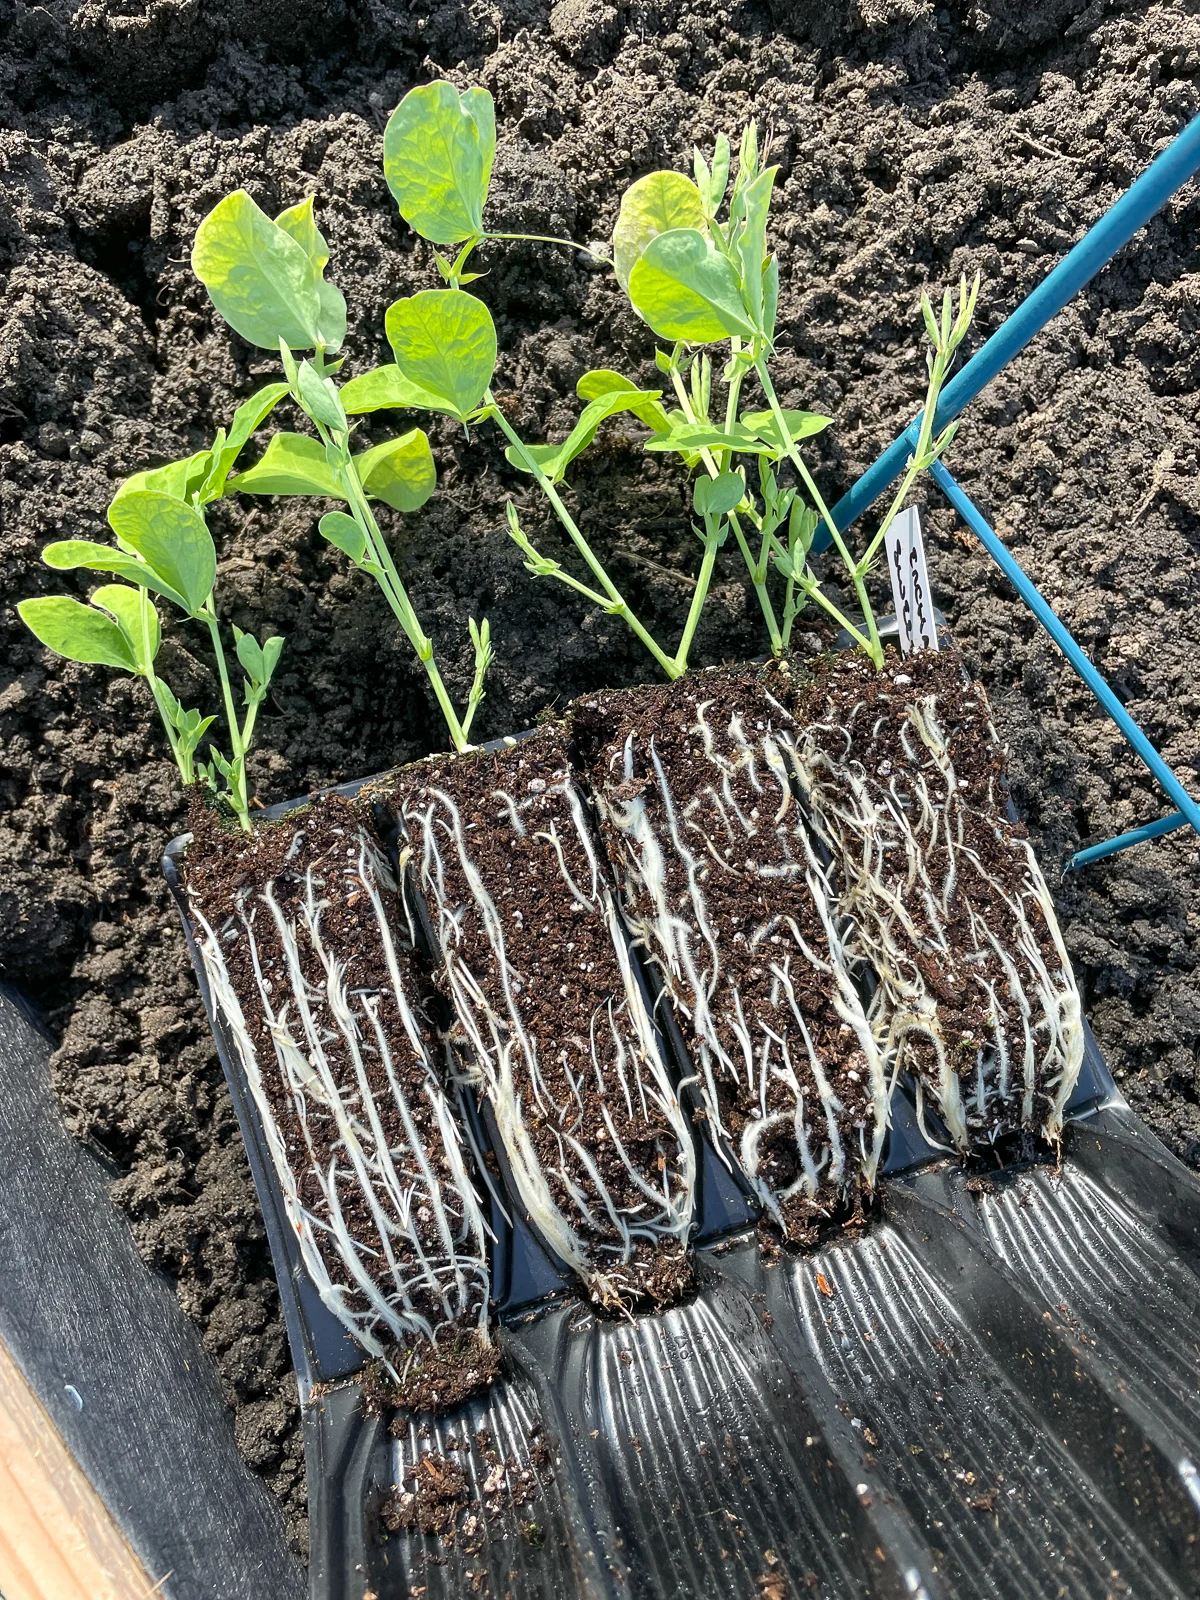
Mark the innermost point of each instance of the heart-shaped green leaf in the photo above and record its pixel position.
(685, 289)
(438, 150)
(658, 203)
(444, 342)
(135, 616)
(78, 632)
(346, 534)
(400, 472)
(604, 381)
(171, 539)
(386, 387)
(292, 463)
(261, 279)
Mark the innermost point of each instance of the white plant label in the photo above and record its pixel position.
(910, 583)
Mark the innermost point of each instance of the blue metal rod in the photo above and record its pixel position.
(1123, 841)
(1065, 641)
(1095, 250)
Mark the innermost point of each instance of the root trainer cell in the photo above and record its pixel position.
(721, 884)
(551, 1017)
(905, 775)
(306, 967)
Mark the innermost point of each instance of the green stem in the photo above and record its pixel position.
(238, 796)
(712, 543)
(616, 603)
(872, 645)
(397, 597)
(758, 576)
(186, 768)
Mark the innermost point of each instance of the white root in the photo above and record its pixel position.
(896, 818)
(414, 1262)
(478, 925)
(731, 821)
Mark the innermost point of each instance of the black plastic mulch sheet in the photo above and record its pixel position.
(993, 1391)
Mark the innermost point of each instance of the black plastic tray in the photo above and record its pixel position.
(995, 1391)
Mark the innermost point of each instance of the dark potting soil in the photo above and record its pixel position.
(915, 140)
(548, 1017)
(694, 784)
(430, 1377)
(906, 785)
(296, 921)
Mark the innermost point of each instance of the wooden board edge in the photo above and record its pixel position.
(58, 1540)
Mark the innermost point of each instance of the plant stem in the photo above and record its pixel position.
(397, 598)
(185, 765)
(616, 603)
(872, 645)
(758, 573)
(712, 543)
(238, 792)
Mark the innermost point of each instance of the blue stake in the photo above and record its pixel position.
(974, 519)
(1095, 250)
(1152, 830)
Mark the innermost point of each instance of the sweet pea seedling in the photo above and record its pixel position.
(438, 152)
(692, 257)
(163, 548)
(698, 280)
(266, 278)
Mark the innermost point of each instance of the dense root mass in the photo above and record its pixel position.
(309, 974)
(724, 891)
(904, 774)
(550, 1015)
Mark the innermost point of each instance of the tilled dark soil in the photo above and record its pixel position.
(915, 143)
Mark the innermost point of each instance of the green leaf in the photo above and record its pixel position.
(444, 342)
(752, 242)
(320, 397)
(346, 534)
(260, 278)
(685, 289)
(386, 387)
(67, 554)
(555, 459)
(689, 437)
(714, 497)
(78, 632)
(658, 203)
(400, 472)
(171, 539)
(800, 424)
(603, 381)
(292, 463)
(438, 150)
(272, 650)
(249, 653)
(770, 293)
(332, 323)
(180, 479)
(300, 224)
(135, 616)
(546, 456)
(250, 415)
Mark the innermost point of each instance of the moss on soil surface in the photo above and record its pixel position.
(915, 142)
